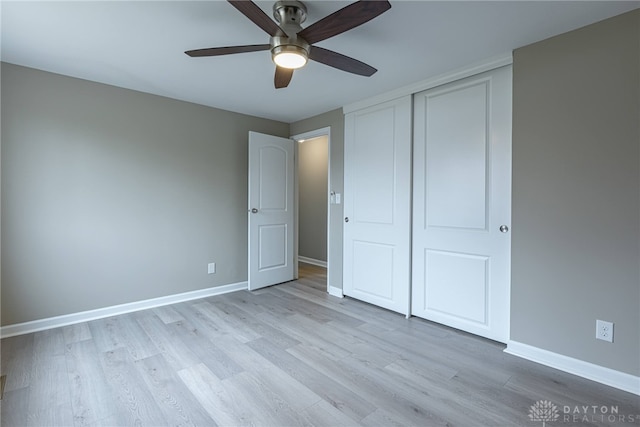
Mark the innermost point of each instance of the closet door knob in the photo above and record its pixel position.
(346, 219)
(504, 228)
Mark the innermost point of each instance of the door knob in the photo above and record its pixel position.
(504, 228)
(346, 219)
(254, 210)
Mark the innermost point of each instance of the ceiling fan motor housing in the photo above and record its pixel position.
(289, 14)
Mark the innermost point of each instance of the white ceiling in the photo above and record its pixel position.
(139, 45)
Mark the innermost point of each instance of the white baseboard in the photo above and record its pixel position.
(607, 376)
(336, 292)
(312, 261)
(85, 316)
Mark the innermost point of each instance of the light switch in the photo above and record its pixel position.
(338, 198)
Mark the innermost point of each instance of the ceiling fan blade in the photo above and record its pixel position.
(340, 61)
(343, 20)
(216, 51)
(282, 77)
(257, 16)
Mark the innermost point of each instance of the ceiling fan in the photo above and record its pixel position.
(291, 46)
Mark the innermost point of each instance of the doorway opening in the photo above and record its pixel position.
(313, 199)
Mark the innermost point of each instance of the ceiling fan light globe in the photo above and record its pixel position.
(290, 60)
(291, 56)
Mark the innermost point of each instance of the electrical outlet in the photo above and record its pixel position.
(604, 330)
(211, 268)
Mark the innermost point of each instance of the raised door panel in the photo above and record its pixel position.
(463, 275)
(373, 169)
(456, 158)
(273, 179)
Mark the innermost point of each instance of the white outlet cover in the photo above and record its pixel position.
(211, 268)
(604, 330)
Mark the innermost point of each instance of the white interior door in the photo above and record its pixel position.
(271, 210)
(462, 201)
(377, 200)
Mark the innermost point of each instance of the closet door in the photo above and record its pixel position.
(462, 204)
(377, 200)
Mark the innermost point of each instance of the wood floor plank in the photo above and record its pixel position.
(243, 355)
(383, 318)
(91, 397)
(271, 303)
(166, 340)
(17, 360)
(249, 301)
(326, 308)
(135, 339)
(49, 394)
(441, 402)
(123, 332)
(303, 307)
(263, 330)
(138, 406)
(49, 385)
(281, 387)
(307, 335)
(339, 397)
(170, 393)
(369, 388)
(382, 417)
(270, 408)
(75, 333)
(229, 324)
(204, 348)
(331, 333)
(53, 415)
(224, 408)
(106, 333)
(167, 314)
(266, 374)
(451, 355)
(449, 396)
(324, 414)
(199, 321)
(14, 407)
(423, 368)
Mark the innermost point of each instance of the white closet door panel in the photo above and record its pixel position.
(377, 205)
(462, 196)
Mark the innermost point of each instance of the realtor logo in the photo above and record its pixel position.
(545, 411)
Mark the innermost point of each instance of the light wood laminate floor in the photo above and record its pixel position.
(287, 355)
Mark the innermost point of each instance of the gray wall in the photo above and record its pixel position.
(112, 196)
(576, 190)
(335, 120)
(313, 159)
